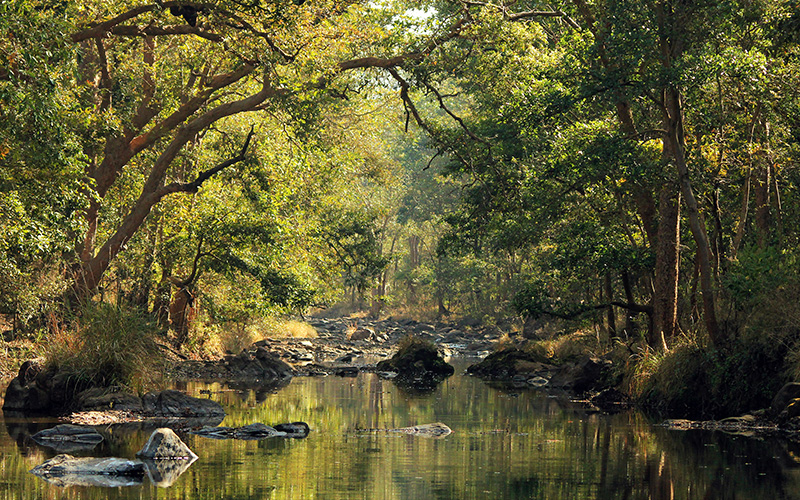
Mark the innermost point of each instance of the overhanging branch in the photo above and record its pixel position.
(194, 186)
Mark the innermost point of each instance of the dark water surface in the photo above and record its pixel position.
(505, 445)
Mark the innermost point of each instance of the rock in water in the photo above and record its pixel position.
(66, 470)
(66, 438)
(294, 430)
(164, 443)
(436, 429)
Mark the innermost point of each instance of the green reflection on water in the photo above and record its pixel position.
(505, 445)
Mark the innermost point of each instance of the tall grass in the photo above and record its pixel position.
(107, 345)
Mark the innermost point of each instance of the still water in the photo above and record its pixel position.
(506, 444)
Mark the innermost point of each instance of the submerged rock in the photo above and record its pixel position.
(294, 429)
(67, 438)
(165, 444)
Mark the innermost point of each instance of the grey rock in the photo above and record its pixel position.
(164, 443)
(66, 470)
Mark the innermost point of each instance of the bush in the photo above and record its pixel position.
(108, 345)
(694, 381)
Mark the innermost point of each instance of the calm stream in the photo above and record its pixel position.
(505, 445)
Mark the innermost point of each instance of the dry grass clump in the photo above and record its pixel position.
(108, 345)
(278, 328)
(571, 346)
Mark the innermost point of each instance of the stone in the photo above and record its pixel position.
(418, 364)
(347, 371)
(68, 470)
(435, 430)
(256, 431)
(67, 438)
(294, 429)
(786, 394)
(362, 333)
(791, 411)
(104, 398)
(580, 376)
(164, 443)
(504, 363)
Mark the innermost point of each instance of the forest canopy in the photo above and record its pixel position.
(626, 168)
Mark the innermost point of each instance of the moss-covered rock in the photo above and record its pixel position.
(417, 363)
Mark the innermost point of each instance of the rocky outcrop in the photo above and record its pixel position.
(40, 389)
(418, 364)
(67, 438)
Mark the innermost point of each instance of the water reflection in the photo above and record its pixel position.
(506, 444)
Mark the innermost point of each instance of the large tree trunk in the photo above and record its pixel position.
(665, 296)
(671, 19)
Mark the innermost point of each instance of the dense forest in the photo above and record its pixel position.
(623, 171)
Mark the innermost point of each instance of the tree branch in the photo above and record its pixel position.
(194, 186)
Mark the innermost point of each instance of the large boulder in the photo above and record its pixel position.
(417, 364)
(259, 364)
(585, 374)
(41, 389)
(785, 395)
(165, 444)
(510, 362)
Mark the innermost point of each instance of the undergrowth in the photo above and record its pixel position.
(105, 345)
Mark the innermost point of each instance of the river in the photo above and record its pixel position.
(506, 444)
